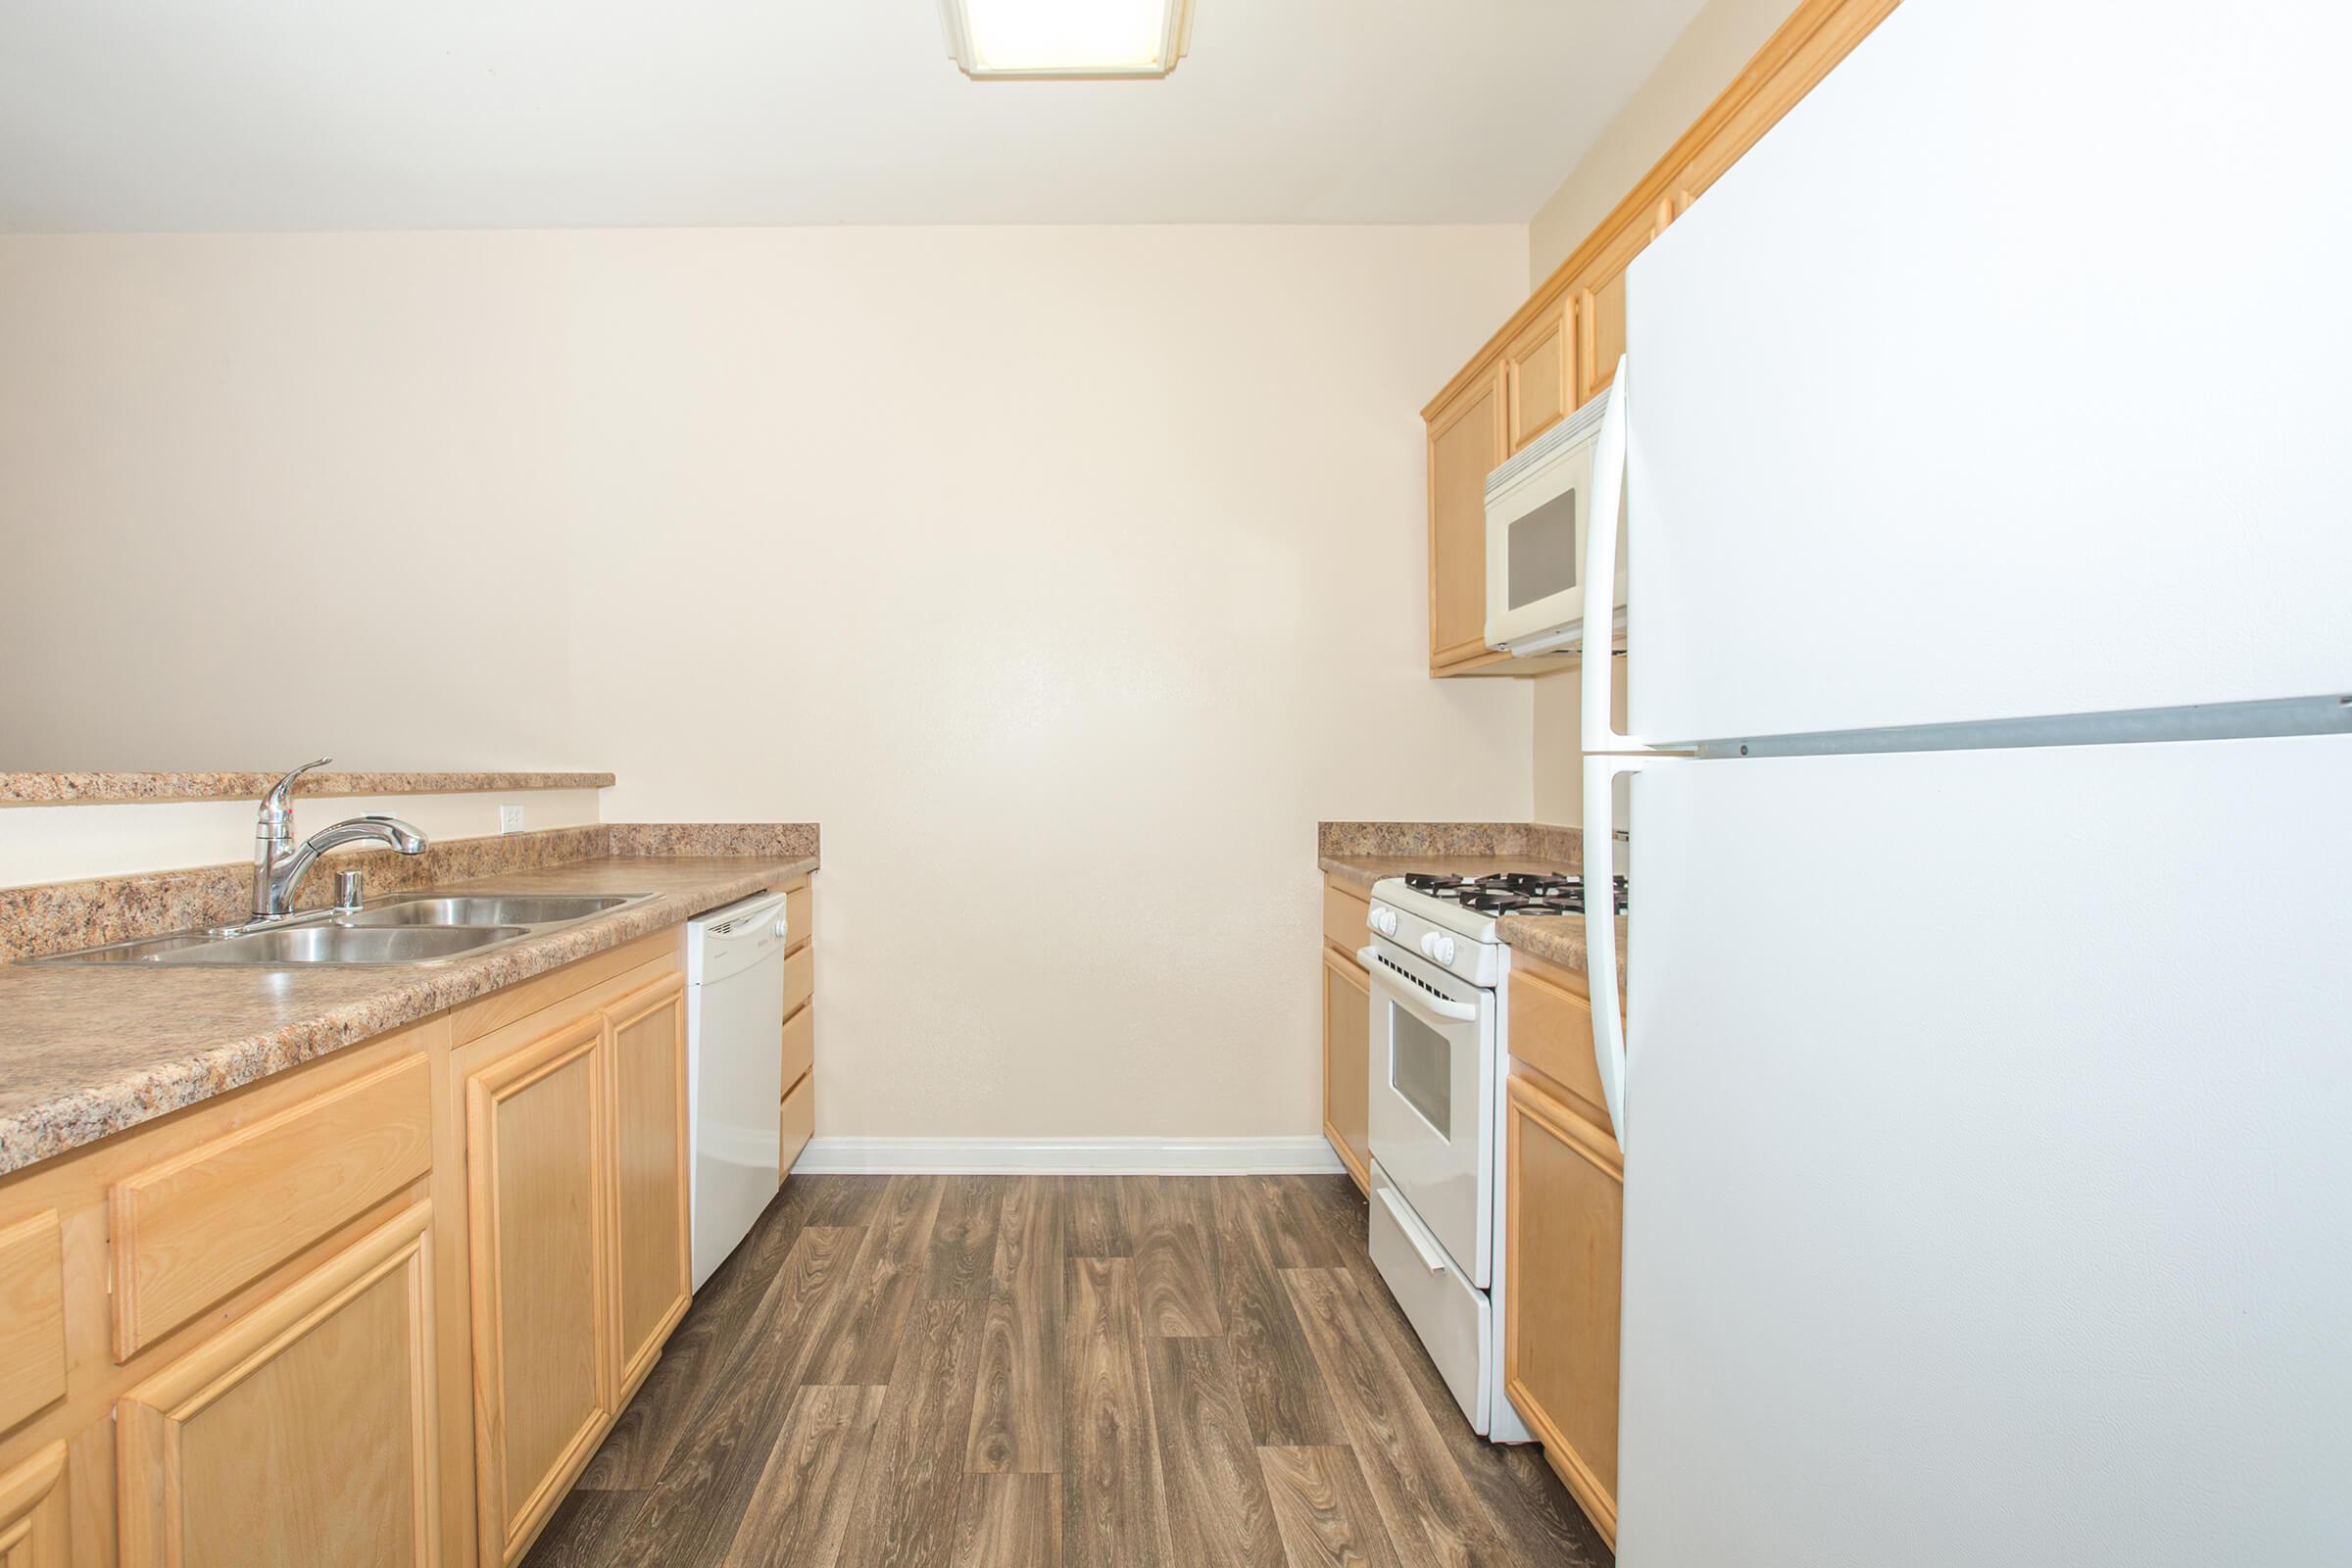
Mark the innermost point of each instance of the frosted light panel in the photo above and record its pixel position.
(1065, 35)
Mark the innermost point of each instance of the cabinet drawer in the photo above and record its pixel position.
(1343, 919)
(1552, 1031)
(799, 978)
(32, 1316)
(800, 917)
(193, 1228)
(796, 1122)
(799, 1045)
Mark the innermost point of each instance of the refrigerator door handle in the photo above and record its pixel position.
(1600, 931)
(1607, 751)
(1599, 732)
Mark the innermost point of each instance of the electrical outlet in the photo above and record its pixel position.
(510, 819)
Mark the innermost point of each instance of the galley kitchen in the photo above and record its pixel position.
(1147, 783)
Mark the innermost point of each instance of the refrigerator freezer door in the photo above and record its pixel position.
(1986, 1201)
(2004, 377)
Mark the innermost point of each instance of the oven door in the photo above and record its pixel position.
(1433, 1100)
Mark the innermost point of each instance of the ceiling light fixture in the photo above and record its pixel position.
(1082, 38)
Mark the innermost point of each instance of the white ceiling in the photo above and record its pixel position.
(394, 114)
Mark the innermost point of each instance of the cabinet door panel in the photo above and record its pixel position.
(303, 1432)
(1465, 445)
(1566, 1198)
(544, 1353)
(32, 1317)
(1601, 328)
(1539, 371)
(34, 1511)
(1347, 1064)
(648, 1142)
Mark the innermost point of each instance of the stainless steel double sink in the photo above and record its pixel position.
(406, 928)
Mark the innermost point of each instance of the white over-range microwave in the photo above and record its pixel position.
(1540, 508)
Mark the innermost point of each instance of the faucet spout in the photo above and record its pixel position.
(279, 868)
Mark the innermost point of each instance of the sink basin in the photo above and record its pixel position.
(405, 928)
(341, 944)
(481, 909)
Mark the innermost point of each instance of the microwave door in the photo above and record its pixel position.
(1540, 508)
(1545, 545)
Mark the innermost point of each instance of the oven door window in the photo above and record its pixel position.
(1421, 1069)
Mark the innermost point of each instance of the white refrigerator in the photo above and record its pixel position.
(1985, 1079)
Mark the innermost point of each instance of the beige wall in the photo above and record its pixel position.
(1711, 51)
(74, 843)
(1068, 577)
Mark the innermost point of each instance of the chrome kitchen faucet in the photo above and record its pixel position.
(279, 862)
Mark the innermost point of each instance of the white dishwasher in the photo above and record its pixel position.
(734, 1069)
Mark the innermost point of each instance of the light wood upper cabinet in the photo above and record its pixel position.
(651, 1236)
(1347, 1064)
(545, 1355)
(33, 1518)
(1465, 445)
(1539, 373)
(1601, 302)
(1561, 348)
(1564, 1188)
(302, 1434)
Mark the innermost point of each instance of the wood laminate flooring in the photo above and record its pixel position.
(1031, 1371)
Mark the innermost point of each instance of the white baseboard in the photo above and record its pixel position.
(1086, 1156)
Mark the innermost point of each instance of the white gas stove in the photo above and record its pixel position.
(1438, 1038)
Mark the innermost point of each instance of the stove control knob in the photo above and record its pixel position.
(1438, 946)
(1383, 922)
(783, 927)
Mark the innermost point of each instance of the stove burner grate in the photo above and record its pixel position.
(1513, 892)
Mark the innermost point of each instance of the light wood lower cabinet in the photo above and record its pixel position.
(302, 1434)
(34, 1529)
(1347, 1064)
(579, 1243)
(796, 1112)
(374, 1310)
(1564, 1185)
(796, 1123)
(32, 1317)
(651, 1231)
(538, 1134)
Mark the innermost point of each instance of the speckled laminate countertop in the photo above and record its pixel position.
(88, 1050)
(77, 789)
(1554, 938)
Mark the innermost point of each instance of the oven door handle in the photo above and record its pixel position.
(1433, 1257)
(1412, 1002)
